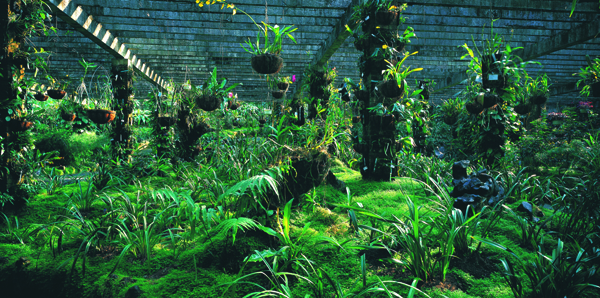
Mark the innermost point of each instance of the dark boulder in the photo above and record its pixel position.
(475, 189)
(526, 207)
(134, 292)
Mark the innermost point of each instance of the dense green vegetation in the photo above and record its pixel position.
(211, 196)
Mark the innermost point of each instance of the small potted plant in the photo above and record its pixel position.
(539, 89)
(394, 78)
(521, 98)
(232, 102)
(266, 60)
(67, 109)
(40, 96)
(18, 124)
(283, 83)
(590, 76)
(473, 104)
(209, 95)
(426, 86)
(451, 108)
(102, 113)
(58, 88)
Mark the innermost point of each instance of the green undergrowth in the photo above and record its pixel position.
(202, 266)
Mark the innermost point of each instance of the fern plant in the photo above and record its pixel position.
(252, 193)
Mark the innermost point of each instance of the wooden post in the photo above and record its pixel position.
(5, 94)
(378, 143)
(123, 105)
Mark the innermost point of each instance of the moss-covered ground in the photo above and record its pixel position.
(200, 268)
(49, 249)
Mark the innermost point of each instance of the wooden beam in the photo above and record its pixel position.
(75, 16)
(563, 40)
(334, 41)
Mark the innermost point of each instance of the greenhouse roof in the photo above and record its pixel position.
(180, 41)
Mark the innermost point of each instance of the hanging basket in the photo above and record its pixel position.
(474, 108)
(20, 125)
(283, 86)
(450, 119)
(166, 121)
(56, 94)
(208, 102)
(101, 116)
(267, 63)
(390, 89)
(538, 99)
(40, 97)
(69, 117)
(278, 94)
(489, 100)
(523, 108)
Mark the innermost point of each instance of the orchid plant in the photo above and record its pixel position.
(397, 73)
(268, 46)
(274, 47)
(213, 87)
(589, 75)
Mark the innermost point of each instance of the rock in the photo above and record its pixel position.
(497, 198)
(537, 211)
(336, 183)
(440, 152)
(465, 200)
(127, 280)
(459, 169)
(526, 207)
(134, 292)
(475, 189)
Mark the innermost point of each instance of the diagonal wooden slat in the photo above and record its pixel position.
(75, 15)
(334, 41)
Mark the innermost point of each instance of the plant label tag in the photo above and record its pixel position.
(493, 77)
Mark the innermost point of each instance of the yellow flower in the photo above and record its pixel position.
(197, 1)
(222, 5)
(201, 4)
(230, 6)
(393, 7)
(384, 46)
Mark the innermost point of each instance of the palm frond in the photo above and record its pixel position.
(242, 223)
